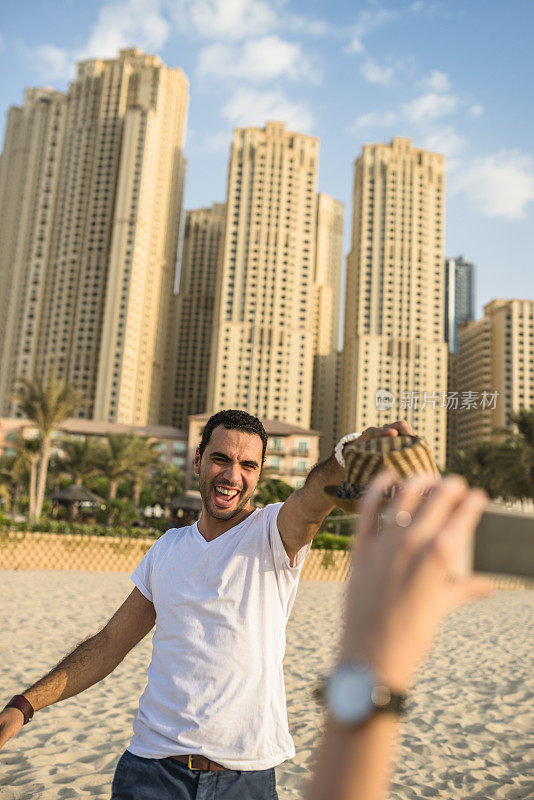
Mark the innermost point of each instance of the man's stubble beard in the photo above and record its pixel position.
(206, 496)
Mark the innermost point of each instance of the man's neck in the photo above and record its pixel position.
(211, 527)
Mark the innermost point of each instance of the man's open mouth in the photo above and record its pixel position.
(225, 494)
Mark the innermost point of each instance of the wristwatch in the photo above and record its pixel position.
(352, 695)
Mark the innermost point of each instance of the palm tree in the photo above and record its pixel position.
(477, 464)
(127, 456)
(47, 404)
(167, 482)
(272, 490)
(82, 458)
(524, 438)
(28, 457)
(6, 480)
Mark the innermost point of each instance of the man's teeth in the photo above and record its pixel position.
(227, 492)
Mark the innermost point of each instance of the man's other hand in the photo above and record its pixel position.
(11, 721)
(401, 427)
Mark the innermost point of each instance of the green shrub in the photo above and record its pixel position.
(329, 541)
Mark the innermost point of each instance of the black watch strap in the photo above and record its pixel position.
(23, 705)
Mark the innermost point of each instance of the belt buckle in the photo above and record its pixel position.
(190, 764)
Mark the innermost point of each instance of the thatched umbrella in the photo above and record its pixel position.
(75, 496)
(187, 505)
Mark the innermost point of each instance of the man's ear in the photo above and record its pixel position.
(197, 462)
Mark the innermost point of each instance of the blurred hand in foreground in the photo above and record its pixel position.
(402, 586)
(402, 583)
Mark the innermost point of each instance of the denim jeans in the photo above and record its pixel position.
(166, 779)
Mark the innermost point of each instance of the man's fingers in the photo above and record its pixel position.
(402, 427)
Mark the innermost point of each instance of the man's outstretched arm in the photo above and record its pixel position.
(305, 509)
(90, 662)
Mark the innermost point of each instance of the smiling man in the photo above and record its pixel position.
(212, 721)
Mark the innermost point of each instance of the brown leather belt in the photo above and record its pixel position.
(200, 763)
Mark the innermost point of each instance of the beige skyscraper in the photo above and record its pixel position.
(394, 297)
(263, 339)
(29, 178)
(108, 239)
(193, 316)
(495, 369)
(327, 300)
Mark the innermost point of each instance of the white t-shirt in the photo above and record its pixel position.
(215, 681)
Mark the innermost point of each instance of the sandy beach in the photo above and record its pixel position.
(468, 733)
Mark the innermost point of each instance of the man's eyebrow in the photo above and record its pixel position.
(218, 454)
(248, 462)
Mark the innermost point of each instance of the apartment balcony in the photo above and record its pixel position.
(299, 471)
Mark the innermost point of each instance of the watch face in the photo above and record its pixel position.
(349, 695)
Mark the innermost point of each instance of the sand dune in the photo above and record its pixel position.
(468, 733)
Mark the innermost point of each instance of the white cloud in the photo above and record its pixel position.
(129, 23)
(375, 119)
(438, 81)
(229, 19)
(256, 60)
(476, 110)
(368, 20)
(54, 63)
(445, 140)
(383, 74)
(254, 107)
(300, 24)
(499, 185)
(430, 106)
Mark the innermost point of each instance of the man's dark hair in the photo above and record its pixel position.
(234, 420)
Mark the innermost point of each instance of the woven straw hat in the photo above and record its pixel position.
(405, 455)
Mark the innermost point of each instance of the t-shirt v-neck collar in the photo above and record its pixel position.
(207, 543)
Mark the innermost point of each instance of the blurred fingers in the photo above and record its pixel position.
(468, 589)
(370, 506)
(438, 505)
(460, 527)
(401, 512)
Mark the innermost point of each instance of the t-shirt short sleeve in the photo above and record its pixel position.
(142, 574)
(281, 558)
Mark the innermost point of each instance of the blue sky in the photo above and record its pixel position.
(456, 77)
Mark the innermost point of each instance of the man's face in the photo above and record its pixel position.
(228, 472)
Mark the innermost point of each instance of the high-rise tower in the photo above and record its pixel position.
(459, 297)
(263, 339)
(495, 370)
(193, 317)
(327, 289)
(93, 269)
(394, 298)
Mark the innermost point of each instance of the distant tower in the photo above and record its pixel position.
(262, 356)
(495, 354)
(394, 297)
(327, 287)
(459, 297)
(193, 325)
(96, 177)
